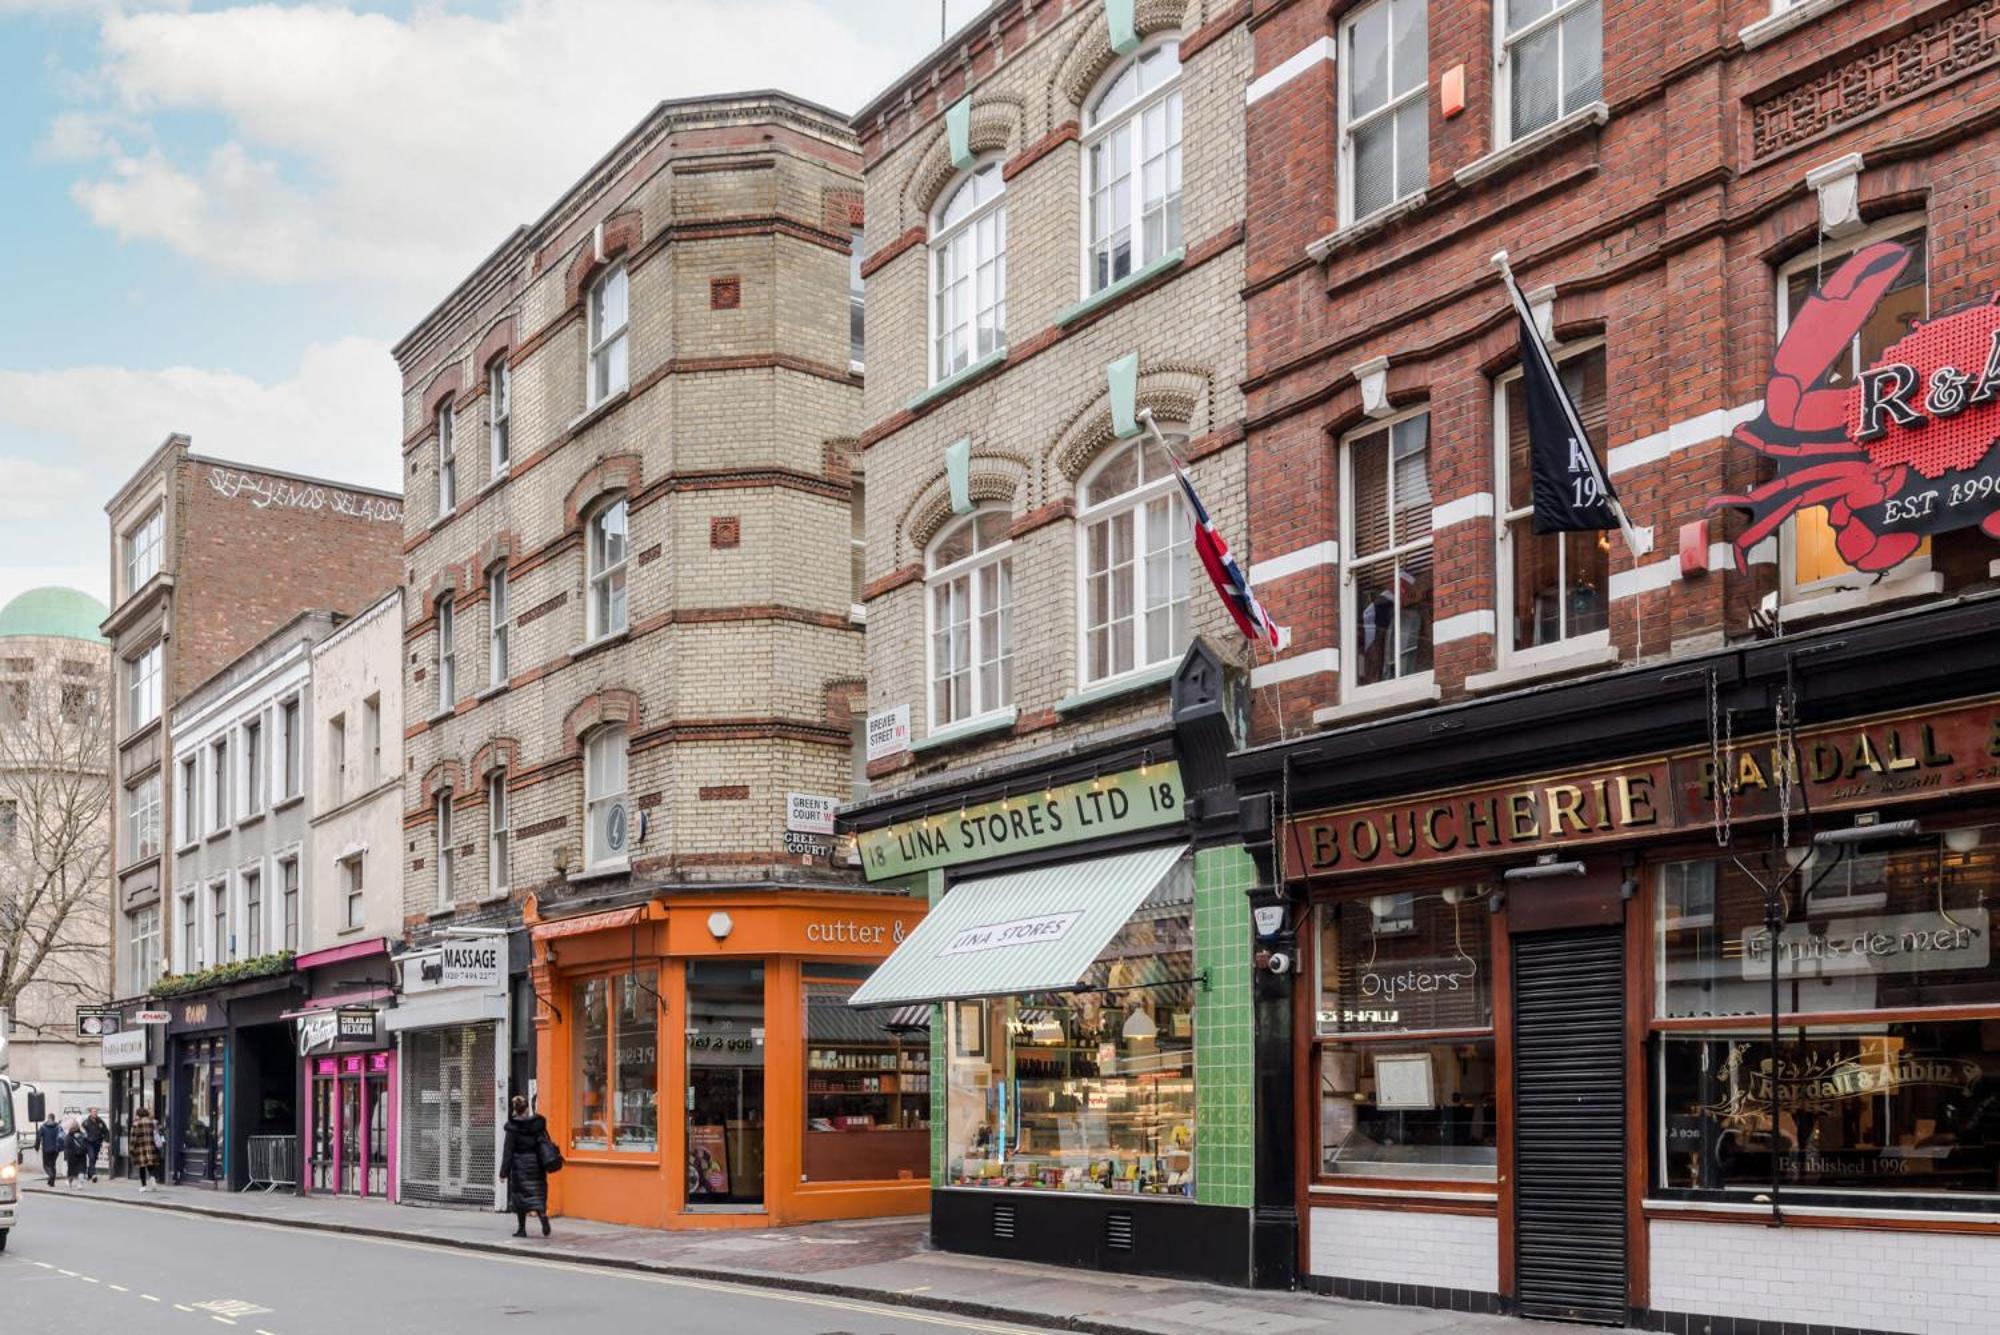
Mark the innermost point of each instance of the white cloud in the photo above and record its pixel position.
(398, 151)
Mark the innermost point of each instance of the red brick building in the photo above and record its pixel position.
(1672, 184)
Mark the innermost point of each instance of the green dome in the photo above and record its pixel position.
(70, 613)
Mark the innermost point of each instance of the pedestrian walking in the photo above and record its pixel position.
(95, 1132)
(527, 1158)
(144, 1132)
(49, 1140)
(76, 1147)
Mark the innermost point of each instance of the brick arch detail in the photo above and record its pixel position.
(445, 385)
(610, 705)
(995, 127)
(444, 775)
(499, 341)
(450, 579)
(496, 755)
(993, 477)
(502, 549)
(614, 472)
(622, 234)
(1175, 393)
(1090, 56)
(846, 697)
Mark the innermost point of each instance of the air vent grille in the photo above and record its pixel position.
(1003, 1221)
(1118, 1231)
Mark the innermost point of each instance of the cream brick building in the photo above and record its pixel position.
(674, 341)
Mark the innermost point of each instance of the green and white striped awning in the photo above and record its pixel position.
(1026, 931)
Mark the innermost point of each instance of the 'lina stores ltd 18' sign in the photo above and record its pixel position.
(1907, 450)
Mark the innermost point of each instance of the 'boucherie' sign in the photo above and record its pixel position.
(1854, 764)
(1907, 450)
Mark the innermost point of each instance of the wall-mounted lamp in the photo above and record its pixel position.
(720, 925)
(1963, 841)
(1865, 834)
(1542, 871)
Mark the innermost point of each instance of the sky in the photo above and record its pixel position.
(217, 218)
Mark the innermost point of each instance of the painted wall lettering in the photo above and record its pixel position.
(267, 493)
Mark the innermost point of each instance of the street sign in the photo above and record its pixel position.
(888, 733)
(811, 845)
(96, 1021)
(153, 1017)
(357, 1023)
(474, 963)
(810, 813)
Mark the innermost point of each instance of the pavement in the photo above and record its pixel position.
(874, 1261)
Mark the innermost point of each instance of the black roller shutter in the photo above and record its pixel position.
(1569, 1126)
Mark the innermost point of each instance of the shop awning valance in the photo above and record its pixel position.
(1026, 931)
(590, 922)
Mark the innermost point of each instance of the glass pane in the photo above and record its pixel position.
(589, 1057)
(1375, 623)
(1583, 56)
(1412, 45)
(1411, 961)
(1117, 476)
(1368, 61)
(1523, 12)
(1409, 1110)
(1413, 613)
(1587, 577)
(1368, 522)
(725, 1083)
(638, 1121)
(1532, 80)
(1413, 131)
(867, 1074)
(1410, 464)
(1374, 166)
(1537, 610)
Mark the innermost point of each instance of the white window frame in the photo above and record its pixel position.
(291, 902)
(188, 927)
(967, 231)
(142, 686)
(137, 806)
(610, 740)
(968, 569)
(857, 306)
(353, 891)
(1351, 690)
(499, 414)
(1504, 43)
(221, 782)
(498, 831)
(1132, 113)
(499, 662)
(142, 950)
(221, 931)
(1349, 126)
(599, 347)
(189, 797)
(1088, 517)
(143, 543)
(447, 653)
(1503, 542)
(371, 736)
(447, 451)
(611, 578)
(291, 722)
(1856, 588)
(336, 755)
(254, 917)
(255, 768)
(447, 857)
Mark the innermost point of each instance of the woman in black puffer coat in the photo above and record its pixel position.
(521, 1167)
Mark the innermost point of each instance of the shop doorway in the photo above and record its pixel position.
(1570, 1246)
(199, 1124)
(351, 1127)
(725, 1085)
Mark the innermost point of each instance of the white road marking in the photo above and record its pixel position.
(183, 1307)
(70, 1273)
(149, 1297)
(45, 1265)
(117, 1288)
(223, 1319)
(86, 1279)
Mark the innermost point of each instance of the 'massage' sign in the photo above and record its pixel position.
(1017, 932)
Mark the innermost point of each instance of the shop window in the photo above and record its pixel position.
(615, 1062)
(1089, 1090)
(867, 1073)
(1405, 1023)
(1555, 588)
(971, 584)
(1132, 147)
(1136, 537)
(969, 273)
(1872, 1089)
(1387, 523)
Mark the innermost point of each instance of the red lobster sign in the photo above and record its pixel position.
(1906, 451)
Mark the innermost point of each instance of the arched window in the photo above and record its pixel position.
(604, 811)
(447, 854)
(970, 577)
(606, 557)
(969, 272)
(1132, 151)
(1136, 535)
(447, 434)
(610, 313)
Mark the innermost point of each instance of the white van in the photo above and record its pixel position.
(10, 1160)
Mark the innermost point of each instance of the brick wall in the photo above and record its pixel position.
(1661, 231)
(732, 419)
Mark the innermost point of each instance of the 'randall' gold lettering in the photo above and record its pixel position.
(1749, 775)
(1822, 763)
(1864, 755)
(1931, 754)
(1897, 760)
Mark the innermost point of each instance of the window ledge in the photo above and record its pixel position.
(495, 896)
(598, 409)
(1132, 683)
(188, 847)
(445, 912)
(959, 379)
(589, 647)
(1774, 26)
(491, 691)
(1364, 227)
(1396, 695)
(1542, 669)
(246, 822)
(352, 931)
(1106, 295)
(285, 803)
(493, 484)
(602, 871)
(222, 833)
(438, 715)
(1500, 159)
(1000, 720)
(1834, 601)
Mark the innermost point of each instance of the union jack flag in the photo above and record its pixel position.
(1227, 576)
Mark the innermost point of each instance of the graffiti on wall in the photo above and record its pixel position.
(267, 493)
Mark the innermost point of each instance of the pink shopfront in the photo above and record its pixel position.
(347, 1129)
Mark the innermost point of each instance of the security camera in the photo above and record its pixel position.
(1279, 963)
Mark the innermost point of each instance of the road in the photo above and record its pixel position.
(99, 1268)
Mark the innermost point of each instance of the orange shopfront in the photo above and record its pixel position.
(701, 1068)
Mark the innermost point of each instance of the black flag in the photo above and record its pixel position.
(1572, 493)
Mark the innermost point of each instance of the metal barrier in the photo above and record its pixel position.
(274, 1163)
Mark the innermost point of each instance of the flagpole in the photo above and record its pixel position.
(1520, 300)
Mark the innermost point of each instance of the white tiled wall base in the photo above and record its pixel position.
(1401, 1247)
(1921, 1283)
